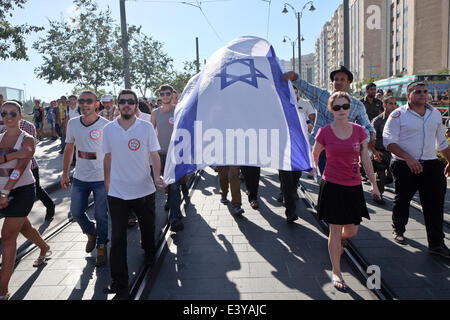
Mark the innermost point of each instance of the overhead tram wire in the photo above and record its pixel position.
(197, 4)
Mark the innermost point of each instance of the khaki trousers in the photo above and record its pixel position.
(233, 181)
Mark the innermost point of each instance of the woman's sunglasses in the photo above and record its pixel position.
(338, 107)
(12, 114)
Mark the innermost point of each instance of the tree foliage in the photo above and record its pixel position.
(12, 41)
(81, 51)
(149, 65)
(180, 79)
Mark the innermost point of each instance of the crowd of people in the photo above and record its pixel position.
(119, 152)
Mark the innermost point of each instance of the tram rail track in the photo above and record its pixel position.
(356, 259)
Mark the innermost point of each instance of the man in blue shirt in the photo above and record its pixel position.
(341, 79)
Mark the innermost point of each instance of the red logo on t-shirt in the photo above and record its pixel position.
(171, 121)
(134, 144)
(95, 134)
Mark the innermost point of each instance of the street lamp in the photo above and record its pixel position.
(298, 15)
(293, 51)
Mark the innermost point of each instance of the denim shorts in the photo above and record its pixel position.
(39, 125)
(21, 203)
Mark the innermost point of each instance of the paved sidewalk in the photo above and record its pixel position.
(71, 273)
(409, 271)
(257, 256)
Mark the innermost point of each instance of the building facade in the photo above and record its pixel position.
(387, 38)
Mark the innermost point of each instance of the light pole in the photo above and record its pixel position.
(298, 15)
(126, 54)
(293, 51)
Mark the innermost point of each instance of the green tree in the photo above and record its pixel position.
(149, 65)
(12, 41)
(180, 79)
(82, 50)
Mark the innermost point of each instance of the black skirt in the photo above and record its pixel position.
(340, 204)
(22, 202)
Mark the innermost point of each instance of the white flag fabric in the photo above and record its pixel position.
(238, 111)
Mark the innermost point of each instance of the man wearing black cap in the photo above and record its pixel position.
(341, 79)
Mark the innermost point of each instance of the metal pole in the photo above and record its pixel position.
(293, 55)
(197, 63)
(346, 34)
(126, 54)
(299, 47)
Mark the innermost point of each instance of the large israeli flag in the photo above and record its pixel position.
(238, 111)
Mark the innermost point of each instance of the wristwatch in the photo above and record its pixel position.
(4, 193)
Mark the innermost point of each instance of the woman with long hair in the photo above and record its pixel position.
(17, 193)
(341, 200)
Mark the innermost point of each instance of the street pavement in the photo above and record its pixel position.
(408, 270)
(256, 256)
(221, 256)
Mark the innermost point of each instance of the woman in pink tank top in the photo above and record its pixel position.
(17, 192)
(341, 200)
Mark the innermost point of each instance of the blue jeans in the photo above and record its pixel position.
(79, 203)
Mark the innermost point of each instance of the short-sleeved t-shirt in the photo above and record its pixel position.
(342, 165)
(88, 140)
(130, 176)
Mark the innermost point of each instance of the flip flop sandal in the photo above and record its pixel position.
(42, 259)
(342, 288)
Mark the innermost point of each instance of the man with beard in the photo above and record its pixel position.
(86, 133)
(110, 112)
(127, 144)
(373, 105)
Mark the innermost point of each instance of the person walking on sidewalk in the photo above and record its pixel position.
(17, 194)
(163, 121)
(229, 179)
(413, 133)
(341, 79)
(41, 194)
(127, 144)
(86, 133)
(381, 157)
(341, 200)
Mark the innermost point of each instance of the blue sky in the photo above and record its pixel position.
(176, 25)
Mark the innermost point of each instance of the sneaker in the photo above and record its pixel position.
(132, 222)
(442, 251)
(254, 204)
(176, 226)
(238, 210)
(92, 239)
(224, 199)
(50, 213)
(398, 237)
(102, 256)
(280, 198)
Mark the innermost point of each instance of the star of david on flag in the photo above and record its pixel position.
(238, 111)
(251, 78)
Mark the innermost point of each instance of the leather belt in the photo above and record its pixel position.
(87, 155)
(5, 172)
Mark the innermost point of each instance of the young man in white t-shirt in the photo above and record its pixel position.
(86, 133)
(127, 143)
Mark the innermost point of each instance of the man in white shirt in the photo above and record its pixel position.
(127, 143)
(86, 133)
(412, 134)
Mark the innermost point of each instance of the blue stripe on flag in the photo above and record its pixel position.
(187, 120)
(299, 145)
